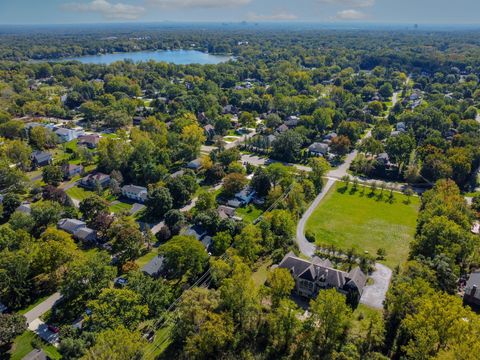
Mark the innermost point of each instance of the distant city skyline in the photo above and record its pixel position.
(324, 11)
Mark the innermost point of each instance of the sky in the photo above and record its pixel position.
(323, 11)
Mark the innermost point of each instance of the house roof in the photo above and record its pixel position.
(70, 225)
(321, 269)
(41, 156)
(24, 208)
(92, 139)
(473, 279)
(226, 211)
(197, 231)
(209, 128)
(63, 131)
(134, 189)
(282, 128)
(194, 164)
(84, 233)
(153, 267)
(319, 148)
(95, 177)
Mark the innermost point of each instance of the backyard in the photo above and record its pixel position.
(366, 222)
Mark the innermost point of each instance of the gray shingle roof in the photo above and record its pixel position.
(154, 266)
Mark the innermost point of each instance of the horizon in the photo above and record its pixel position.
(382, 12)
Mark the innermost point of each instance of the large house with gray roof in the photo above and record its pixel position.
(312, 276)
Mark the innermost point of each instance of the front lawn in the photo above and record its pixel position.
(23, 345)
(145, 259)
(79, 193)
(249, 213)
(119, 206)
(366, 222)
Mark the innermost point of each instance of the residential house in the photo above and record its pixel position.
(90, 141)
(282, 128)
(319, 148)
(472, 292)
(230, 109)
(226, 212)
(154, 267)
(91, 180)
(476, 228)
(329, 137)
(71, 170)
(246, 195)
(86, 235)
(25, 208)
(78, 229)
(66, 135)
(135, 193)
(195, 165)
(71, 225)
(400, 126)
(200, 234)
(383, 159)
(209, 132)
(292, 121)
(41, 158)
(311, 276)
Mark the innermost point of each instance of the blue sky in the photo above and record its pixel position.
(381, 11)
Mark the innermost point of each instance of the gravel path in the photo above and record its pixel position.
(374, 295)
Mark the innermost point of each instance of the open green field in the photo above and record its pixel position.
(79, 193)
(23, 345)
(366, 222)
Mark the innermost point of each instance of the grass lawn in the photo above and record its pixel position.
(160, 343)
(119, 207)
(79, 193)
(366, 223)
(260, 275)
(145, 259)
(23, 345)
(249, 213)
(361, 319)
(230, 139)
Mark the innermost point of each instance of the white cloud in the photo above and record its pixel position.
(198, 3)
(351, 3)
(276, 16)
(111, 11)
(351, 14)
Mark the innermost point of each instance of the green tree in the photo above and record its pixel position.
(233, 183)
(117, 344)
(11, 325)
(158, 203)
(92, 206)
(184, 255)
(127, 239)
(287, 146)
(52, 175)
(281, 285)
(248, 243)
(116, 307)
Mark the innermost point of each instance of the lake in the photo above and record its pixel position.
(179, 57)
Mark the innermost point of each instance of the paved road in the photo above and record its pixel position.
(43, 307)
(41, 329)
(374, 295)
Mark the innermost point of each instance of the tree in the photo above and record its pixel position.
(386, 90)
(205, 201)
(174, 219)
(221, 242)
(11, 325)
(283, 327)
(248, 243)
(41, 137)
(233, 183)
(323, 119)
(116, 307)
(261, 182)
(192, 137)
(287, 146)
(400, 147)
(329, 322)
(117, 119)
(158, 203)
(181, 189)
(92, 206)
(85, 278)
(155, 293)
(11, 202)
(46, 213)
(319, 168)
(127, 239)
(52, 175)
(281, 285)
(19, 153)
(246, 119)
(184, 255)
(15, 278)
(340, 145)
(117, 344)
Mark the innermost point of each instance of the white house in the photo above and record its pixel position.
(135, 193)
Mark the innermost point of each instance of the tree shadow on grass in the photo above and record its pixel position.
(342, 190)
